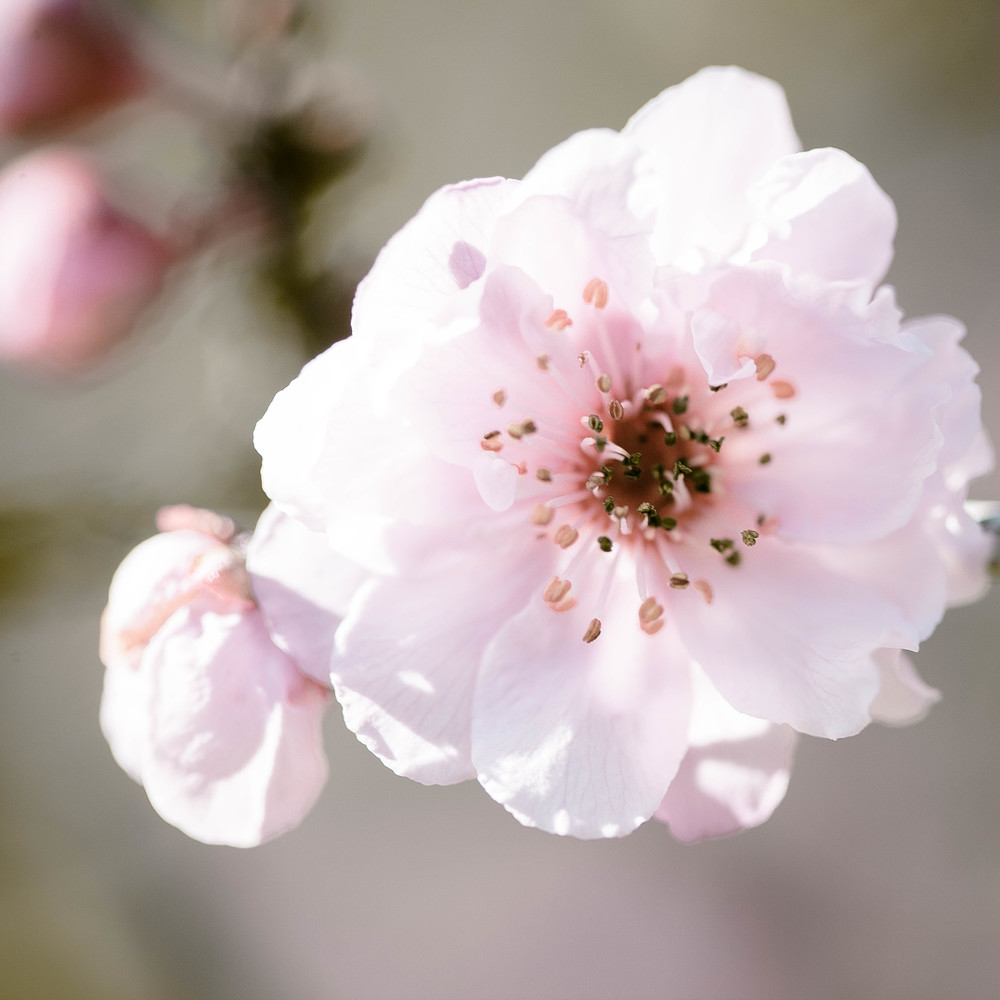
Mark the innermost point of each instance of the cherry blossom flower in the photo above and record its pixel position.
(61, 61)
(75, 273)
(200, 706)
(637, 473)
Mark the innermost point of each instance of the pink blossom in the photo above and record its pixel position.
(200, 706)
(642, 471)
(61, 61)
(75, 273)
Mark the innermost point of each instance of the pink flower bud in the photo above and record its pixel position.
(75, 273)
(200, 706)
(61, 61)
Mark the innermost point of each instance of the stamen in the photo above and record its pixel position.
(604, 383)
(566, 536)
(595, 292)
(543, 362)
(556, 590)
(764, 364)
(593, 422)
(740, 416)
(704, 588)
(656, 394)
(615, 410)
(584, 358)
(718, 388)
(680, 405)
(750, 536)
(517, 431)
(765, 458)
(593, 630)
(543, 475)
(500, 397)
(542, 514)
(782, 390)
(780, 419)
(604, 542)
(559, 320)
(679, 581)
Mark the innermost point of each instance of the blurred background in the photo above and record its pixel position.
(878, 877)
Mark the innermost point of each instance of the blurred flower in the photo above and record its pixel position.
(75, 273)
(200, 706)
(61, 61)
(639, 472)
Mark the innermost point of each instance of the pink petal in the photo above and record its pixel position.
(787, 639)
(580, 738)
(733, 777)
(821, 213)
(903, 697)
(711, 137)
(302, 588)
(235, 750)
(408, 654)
(123, 717)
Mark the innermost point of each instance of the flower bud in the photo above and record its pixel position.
(61, 61)
(75, 273)
(200, 706)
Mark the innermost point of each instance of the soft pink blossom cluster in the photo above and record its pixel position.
(638, 473)
(630, 473)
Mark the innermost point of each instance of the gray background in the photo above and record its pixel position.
(880, 874)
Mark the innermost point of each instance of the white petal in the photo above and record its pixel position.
(903, 697)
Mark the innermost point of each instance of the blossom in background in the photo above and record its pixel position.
(75, 273)
(61, 61)
(637, 472)
(200, 706)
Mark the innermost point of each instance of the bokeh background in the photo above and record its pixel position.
(879, 876)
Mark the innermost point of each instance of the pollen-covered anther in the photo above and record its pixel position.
(704, 589)
(491, 441)
(764, 364)
(593, 630)
(750, 536)
(543, 475)
(555, 595)
(782, 389)
(740, 416)
(558, 320)
(518, 430)
(595, 293)
(651, 616)
(615, 410)
(679, 581)
(566, 536)
(619, 512)
(656, 394)
(500, 397)
(604, 383)
(542, 514)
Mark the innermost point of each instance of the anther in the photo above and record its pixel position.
(765, 458)
(559, 320)
(734, 559)
(615, 410)
(679, 581)
(543, 362)
(740, 416)
(620, 512)
(566, 536)
(541, 513)
(584, 358)
(704, 588)
(764, 364)
(656, 394)
(718, 388)
(594, 422)
(651, 616)
(595, 292)
(556, 590)
(780, 419)
(680, 405)
(604, 383)
(782, 390)
(543, 475)
(518, 430)
(750, 536)
(491, 441)
(593, 630)
(500, 397)
(604, 542)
